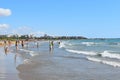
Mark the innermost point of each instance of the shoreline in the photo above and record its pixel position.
(7, 67)
(59, 65)
(65, 66)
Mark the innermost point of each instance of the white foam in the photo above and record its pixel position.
(112, 63)
(32, 53)
(110, 55)
(118, 43)
(82, 52)
(103, 54)
(62, 45)
(88, 43)
(24, 50)
(27, 61)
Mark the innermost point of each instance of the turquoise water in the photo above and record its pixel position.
(71, 60)
(105, 51)
(93, 45)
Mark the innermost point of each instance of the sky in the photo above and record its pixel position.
(88, 18)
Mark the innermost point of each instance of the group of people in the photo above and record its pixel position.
(18, 42)
(51, 45)
(7, 45)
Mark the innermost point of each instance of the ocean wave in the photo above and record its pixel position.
(112, 63)
(88, 43)
(118, 43)
(113, 43)
(66, 44)
(62, 45)
(31, 53)
(106, 54)
(27, 61)
(110, 55)
(101, 43)
(94, 43)
(82, 52)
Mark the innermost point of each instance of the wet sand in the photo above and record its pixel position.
(66, 67)
(7, 66)
(59, 65)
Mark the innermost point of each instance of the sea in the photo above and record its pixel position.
(105, 51)
(86, 59)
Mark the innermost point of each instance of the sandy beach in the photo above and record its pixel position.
(59, 40)
(56, 65)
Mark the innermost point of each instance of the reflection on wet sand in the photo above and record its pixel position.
(15, 59)
(6, 50)
(7, 68)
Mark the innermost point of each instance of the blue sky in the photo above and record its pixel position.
(89, 18)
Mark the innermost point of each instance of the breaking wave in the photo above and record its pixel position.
(103, 54)
(31, 53)
(108, 62)
(88, 43)
(110, 55)
(81, 52)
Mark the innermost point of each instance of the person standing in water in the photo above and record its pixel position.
(9, 43)
(37, 45)
(5, 47)
(22, 44)
(51, 44)
(16, 44)
(5, 42)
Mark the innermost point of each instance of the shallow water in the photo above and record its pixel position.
(8, 66)
(105, 51)
(41, 64)
(32, 63)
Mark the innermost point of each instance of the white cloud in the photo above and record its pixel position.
(22, 30)
(4, 26)
(38, 33)
(5, 12)
(4, 29)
